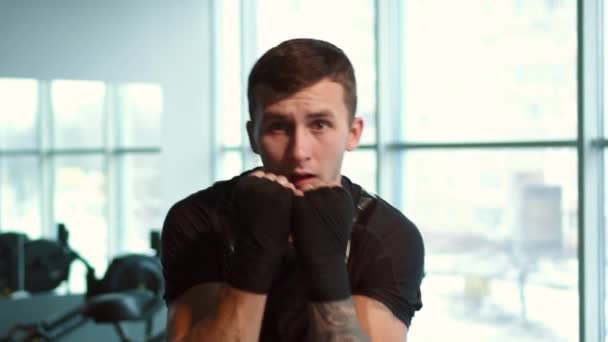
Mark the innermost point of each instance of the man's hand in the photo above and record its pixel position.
(263, 205)
(321, 222)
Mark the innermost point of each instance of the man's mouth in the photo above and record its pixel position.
(300, 180)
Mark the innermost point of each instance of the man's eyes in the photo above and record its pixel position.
(284, 127)
(320, 125)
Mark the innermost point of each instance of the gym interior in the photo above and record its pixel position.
(484, 123)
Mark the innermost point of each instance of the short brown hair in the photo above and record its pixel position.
(299, 63)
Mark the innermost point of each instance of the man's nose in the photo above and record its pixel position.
(301, 145)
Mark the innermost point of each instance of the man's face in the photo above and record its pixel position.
(304, 136)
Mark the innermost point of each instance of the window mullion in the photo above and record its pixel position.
(113, 207)
(389, 95)
(216, 10)
(46, 160)
(248, 43)
(591, 170)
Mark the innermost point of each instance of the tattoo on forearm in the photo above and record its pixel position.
(335, 322)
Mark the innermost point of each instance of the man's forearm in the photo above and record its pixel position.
(237, 317)
(335, 321)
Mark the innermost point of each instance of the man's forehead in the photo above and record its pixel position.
(266, 95)
(273, 113)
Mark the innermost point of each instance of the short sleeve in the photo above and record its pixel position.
(390, 264)
(191, 251)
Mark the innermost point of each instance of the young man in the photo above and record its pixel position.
(293, 251)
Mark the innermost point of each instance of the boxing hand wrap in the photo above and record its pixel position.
(322, 223)
(263, 209)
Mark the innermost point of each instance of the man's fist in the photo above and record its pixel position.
(321, 222)
(263, 209)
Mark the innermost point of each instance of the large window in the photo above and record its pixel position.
(476, 104)
(86, 154)
(487, 146)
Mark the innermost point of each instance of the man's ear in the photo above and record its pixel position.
(251, 135)
(354, 135)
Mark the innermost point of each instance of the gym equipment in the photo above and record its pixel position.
(11, 262)
(130, 290)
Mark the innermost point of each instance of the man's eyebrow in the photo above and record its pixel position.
(267, 116)
(323, 114)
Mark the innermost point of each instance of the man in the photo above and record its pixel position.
(293, 251)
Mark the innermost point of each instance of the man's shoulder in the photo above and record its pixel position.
(217, 195)
(392, 217)
(375, 212)
(386, 222)
(202, 208)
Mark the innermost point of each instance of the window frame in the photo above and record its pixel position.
(591, 147)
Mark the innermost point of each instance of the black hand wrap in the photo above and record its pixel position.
(322, 223)
(263, 209)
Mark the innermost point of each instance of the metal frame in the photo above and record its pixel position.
(592, 254)
(249, 46)
(216, 11)
(46, 162)
(389, 92)
(112, 165)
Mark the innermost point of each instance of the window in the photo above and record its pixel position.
(487, 148)
(84, 153)
(20, 196)
(498, 254)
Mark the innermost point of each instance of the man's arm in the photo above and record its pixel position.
(378, 321)
(215, 312)
(233, 312)
(335, 321)
(358, 319)
(321, 224)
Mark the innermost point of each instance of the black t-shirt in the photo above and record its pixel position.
(385, 257)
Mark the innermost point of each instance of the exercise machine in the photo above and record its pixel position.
(130, 290)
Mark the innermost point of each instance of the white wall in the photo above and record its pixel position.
(125, 40)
